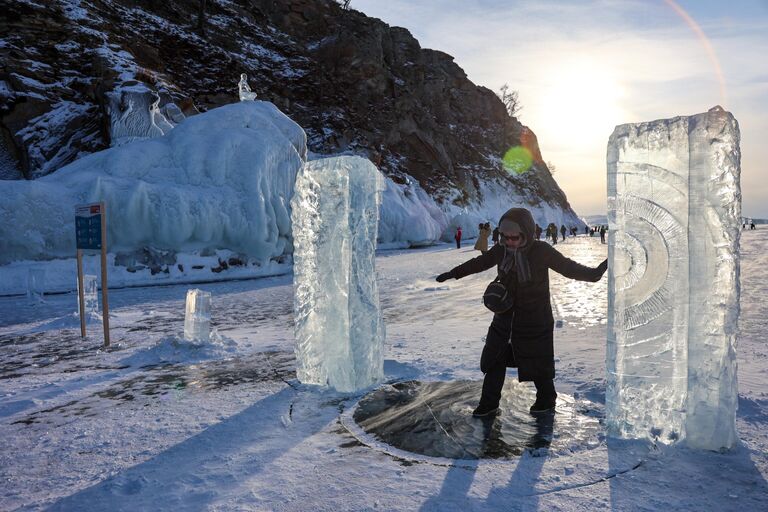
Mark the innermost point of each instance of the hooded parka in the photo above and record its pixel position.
(529, 323)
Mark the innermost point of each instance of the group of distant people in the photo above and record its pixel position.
(751, 225)
(484, 231)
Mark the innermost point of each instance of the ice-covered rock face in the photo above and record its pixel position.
(409, 215)
(221, 179)
(674, 206)
(339, 328)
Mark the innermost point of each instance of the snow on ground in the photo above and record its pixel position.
(154, 423)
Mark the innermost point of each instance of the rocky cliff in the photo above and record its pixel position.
(354, 83)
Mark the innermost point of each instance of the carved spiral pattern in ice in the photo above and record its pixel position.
(674, 208)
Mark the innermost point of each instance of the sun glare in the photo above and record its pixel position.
(581, 102)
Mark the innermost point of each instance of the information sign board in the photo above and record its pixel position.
(88, 226)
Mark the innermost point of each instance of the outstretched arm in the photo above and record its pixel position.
(475, 265)
(570, 269)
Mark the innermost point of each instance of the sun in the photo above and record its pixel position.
(581, 102)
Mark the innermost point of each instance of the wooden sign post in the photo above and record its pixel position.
(91, 232)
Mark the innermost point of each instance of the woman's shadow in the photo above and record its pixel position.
(454, 493)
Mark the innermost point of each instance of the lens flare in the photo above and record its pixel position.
(517, 159)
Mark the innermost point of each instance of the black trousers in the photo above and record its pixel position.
(496, 354)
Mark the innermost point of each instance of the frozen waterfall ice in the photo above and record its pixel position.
(222, 179)
(338, 325)
(674, 206)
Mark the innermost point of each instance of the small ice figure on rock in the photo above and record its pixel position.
(674, 204)
(244, 89)
(36, 284)
(91, 295)
(197, 319)
(339, 329)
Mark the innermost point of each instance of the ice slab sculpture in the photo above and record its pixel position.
(36, 284)
(90, 295)
(197, 317)
(134, 114)
(338, 325)
(674, 205)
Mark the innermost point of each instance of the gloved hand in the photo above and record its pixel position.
(444, 277)
(603, 267)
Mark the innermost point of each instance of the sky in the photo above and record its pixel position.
(583, 67)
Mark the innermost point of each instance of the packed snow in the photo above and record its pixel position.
(159, 423)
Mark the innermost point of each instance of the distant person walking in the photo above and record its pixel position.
(602, 234)
(552, 232)
(495, 235)
(482, 238)
(562, 230)
(457, 237)
(538, 232)
(752, 225)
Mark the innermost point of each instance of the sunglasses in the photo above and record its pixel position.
(511, 238)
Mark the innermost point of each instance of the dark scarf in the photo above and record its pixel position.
(517, 260)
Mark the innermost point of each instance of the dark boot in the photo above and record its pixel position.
(483, 411)
(546, 397)
(543, 405)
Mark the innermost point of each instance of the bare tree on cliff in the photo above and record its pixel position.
(344, 3)
(551, 167)
(510, 99)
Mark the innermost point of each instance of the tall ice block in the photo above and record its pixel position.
(339, 330)
(674, 209)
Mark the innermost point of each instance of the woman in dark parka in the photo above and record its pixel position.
(522, 336)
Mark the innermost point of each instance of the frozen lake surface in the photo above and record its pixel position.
(156, 423)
